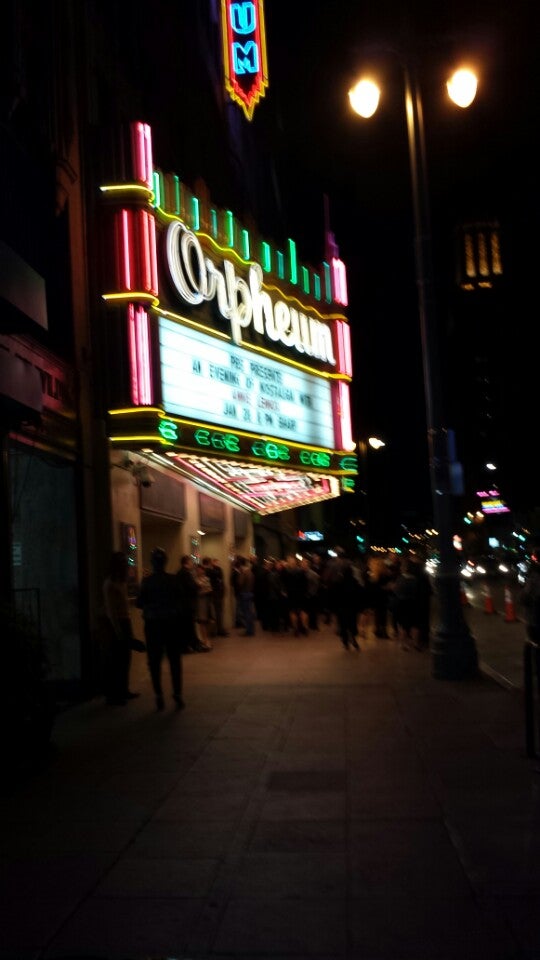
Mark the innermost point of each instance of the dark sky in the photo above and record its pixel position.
(480, 165)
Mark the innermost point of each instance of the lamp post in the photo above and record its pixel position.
(453, 649)
(375, 443)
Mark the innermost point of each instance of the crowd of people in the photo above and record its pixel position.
(183, 611)
(296, 594)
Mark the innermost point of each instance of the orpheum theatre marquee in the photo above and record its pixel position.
(236, 358)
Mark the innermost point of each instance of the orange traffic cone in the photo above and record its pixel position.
(509, 608)
(465, 602)
(488, 600)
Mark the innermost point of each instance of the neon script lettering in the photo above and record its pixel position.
(243, 303)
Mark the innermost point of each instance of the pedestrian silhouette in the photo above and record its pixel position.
(158, 598)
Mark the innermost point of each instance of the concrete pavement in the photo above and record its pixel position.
(308, 802)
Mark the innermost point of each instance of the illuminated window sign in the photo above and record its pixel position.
(243, 303)
(494, 506)
(244, 52)
(314, 535)
(215, 382)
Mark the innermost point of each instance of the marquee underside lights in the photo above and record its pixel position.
(264, 489)
(244, 52)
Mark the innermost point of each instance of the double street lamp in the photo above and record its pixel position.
(454, 654)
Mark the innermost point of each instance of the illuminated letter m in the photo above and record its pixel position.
(245, 58)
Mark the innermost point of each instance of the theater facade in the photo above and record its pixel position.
(227, 370)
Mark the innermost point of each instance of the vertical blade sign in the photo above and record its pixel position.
(244, 52)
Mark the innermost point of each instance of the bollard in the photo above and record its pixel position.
(509, 606)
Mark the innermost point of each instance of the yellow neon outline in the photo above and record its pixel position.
(162, 415)
(135, 187)
(247, 263)
(128, 296)
(130, 410)
(169, 315)
(254, 348)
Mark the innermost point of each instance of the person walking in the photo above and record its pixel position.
(158, 598)
(120, 639)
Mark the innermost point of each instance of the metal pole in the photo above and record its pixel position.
(454, 655)
(363, 450)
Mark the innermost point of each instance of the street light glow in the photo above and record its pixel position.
(462, 87)
(364, 98)
(376, 443)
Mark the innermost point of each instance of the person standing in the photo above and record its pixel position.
(425, 593)
(218, 595)
(158, 598)
(245, 584)
(346, 594)
(312, 593)
(380, 586)
(296, 585)
(188, 590)
(204, 608)
(406, 605)
(120, 634)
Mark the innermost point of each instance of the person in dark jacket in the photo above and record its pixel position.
(217, 578)
(347, 589)
(245, 585)
(158, 598)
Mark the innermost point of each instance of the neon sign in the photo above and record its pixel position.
(244, 53)
(243, 303)
(494, 506)
(134, 427)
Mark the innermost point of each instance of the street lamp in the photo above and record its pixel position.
(454, 654)
(363, 447)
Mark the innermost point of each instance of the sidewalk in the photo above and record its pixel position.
(308, 802)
